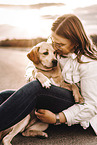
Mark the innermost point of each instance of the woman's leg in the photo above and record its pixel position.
(4, 95)
(55, 99)
(31, 96)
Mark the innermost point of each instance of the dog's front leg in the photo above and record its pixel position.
(15, 130)
(77, 95)
(45, 82)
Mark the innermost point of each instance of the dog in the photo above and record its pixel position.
(47, 71)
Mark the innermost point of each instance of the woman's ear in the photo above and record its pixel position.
(33, 55)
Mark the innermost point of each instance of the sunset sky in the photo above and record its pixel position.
(30, 22)
(73, 3)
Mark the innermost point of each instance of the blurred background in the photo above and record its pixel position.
(32, 19)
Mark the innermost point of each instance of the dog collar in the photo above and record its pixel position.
(46, 70)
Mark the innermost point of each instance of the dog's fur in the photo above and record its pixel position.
(47, 71)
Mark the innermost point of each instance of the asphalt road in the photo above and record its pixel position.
(12, 71)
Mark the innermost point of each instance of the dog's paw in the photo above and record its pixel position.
(46, 84)
(78, 98)
(6, 142)
(34, 133)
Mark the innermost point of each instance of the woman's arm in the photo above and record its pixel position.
(83, 113)
(49, 117)
(30, 67)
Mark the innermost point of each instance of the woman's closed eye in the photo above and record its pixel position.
(57, 46)
(60, 44)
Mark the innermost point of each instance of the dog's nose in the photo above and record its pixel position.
(54, 61)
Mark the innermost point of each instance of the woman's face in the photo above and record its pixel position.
(61, 45)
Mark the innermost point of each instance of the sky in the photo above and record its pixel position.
(22, 23)
(71, 3)
(29, 1)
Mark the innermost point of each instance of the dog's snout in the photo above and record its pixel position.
(54, 61)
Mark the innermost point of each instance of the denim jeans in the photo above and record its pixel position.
(15, 105)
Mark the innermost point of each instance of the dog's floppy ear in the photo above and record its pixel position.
(33, 55)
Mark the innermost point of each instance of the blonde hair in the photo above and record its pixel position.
(69, 26)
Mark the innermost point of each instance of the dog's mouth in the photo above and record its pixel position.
(54, 64)
(47, 68)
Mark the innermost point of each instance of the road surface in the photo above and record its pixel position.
(12, 68)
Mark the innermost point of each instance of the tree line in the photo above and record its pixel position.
(31, 42)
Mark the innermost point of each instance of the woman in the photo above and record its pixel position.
(78, 60)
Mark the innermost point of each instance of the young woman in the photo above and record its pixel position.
(78, 60)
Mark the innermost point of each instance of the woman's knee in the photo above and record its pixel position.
(4, 95)
(32, 87)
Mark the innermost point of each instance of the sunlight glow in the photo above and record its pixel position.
(79, 3)
(36, 22)
(27, 2)
(71, 3)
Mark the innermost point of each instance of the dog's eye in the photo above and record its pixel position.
(54, 52)
(45, 53)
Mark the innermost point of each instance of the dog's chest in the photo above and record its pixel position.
(55, 76)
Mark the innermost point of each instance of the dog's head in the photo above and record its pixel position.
(43, 53)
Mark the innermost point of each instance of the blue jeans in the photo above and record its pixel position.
(15, 105)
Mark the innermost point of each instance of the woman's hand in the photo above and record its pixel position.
(46, 116)
(49, 117)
